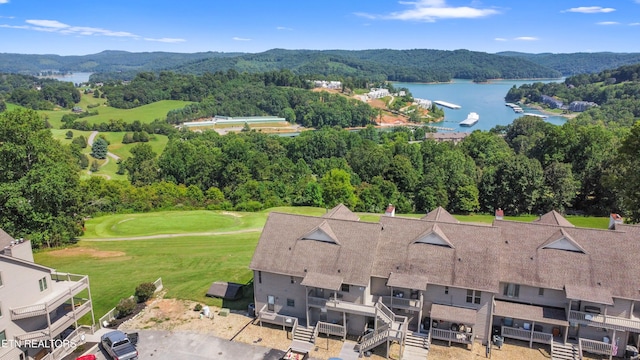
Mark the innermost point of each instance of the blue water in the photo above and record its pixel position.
(76, 78)
(485, 99)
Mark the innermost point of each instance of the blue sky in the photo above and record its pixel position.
(68, 27)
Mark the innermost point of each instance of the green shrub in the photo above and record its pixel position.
(198, 307)
(125, 307)
(144, 291)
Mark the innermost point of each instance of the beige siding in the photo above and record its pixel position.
(281, 287)
(19, 288)
(379, 287)
(530, 295)
(620, 308)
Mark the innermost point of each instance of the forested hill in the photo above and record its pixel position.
(383, 64)
(105, 61)
(578, 63)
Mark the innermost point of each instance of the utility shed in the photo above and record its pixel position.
(225, 290)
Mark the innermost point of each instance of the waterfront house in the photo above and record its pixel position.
(434, 278)
(579, 106)
(552, 102)
(38, 305)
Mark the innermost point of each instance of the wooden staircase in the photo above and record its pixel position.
(416, 346)
(560, 351)
(304, 334)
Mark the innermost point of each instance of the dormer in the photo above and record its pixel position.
(322, 232)
(434, 236)
(561, 240)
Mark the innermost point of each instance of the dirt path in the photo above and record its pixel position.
(168, 236)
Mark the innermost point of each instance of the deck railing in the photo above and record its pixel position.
(32, 310)
(317, 301)
(373, 339)
(58, 326)
(595, 347)
(527, 335)
(331, 329)
(604, 321)
(401, 303)
(452, 336)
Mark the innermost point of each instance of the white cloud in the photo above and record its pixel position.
(4, 1)
(48, 24)
(7, 17)
(166, 40)
(235, 38)
(500, 39)
(66, 29)
(636, 23)
(430, 11)
(608, 23)
(590, 10)
(283, 28)
(526, 38)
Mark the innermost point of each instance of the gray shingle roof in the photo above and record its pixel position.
(453, 314)
(281, 249)
(440, 215)
(530, 312)
(342, 212)
(5, 239)
(554, 218)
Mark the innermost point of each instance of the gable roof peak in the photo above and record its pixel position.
(441, 215)
(554, 218)
(342, 212)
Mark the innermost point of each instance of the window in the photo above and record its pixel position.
(344, 288)
(259, 277)
(291, 303)
(512, 290)
(1, 279)
(43, 284)
(293, 280)
(0, 309)
(541, 292)
(446, 290)
(3, 336)
(473, 296)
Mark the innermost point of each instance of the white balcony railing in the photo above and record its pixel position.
(604, 321)
(58, 326)
(452, 336)
(80, 282)
(595, 347)
(527, 335)
(401, 303)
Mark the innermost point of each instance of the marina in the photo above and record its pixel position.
(447, 104)
(471, 119)
(536, 115)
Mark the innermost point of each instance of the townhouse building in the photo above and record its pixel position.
(39, 307)
(413, 281)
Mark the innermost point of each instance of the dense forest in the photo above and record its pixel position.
(36, 93)
(579, 63)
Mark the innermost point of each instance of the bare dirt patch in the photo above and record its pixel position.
(78, 251)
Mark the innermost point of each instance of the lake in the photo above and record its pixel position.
(486, 99)
(76, 78)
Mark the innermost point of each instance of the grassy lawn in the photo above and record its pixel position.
(146, 113)
(109, 168)
(187, 263)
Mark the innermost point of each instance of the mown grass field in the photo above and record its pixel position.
(145, 114)
(190, 262)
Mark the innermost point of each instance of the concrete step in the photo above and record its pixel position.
(303, 334)
(564, 352)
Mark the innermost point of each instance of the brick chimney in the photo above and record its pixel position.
(499, 214)
(391, 210)
(615, 219)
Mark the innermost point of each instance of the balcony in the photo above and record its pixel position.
(527, 335)
(604, 321)
(58, 324)
(64, 287)
(595, 347)
(452, 336)
(395, 302)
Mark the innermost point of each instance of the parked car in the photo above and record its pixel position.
(119, 346)
(87, 357)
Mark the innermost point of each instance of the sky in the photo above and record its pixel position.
(66, 27)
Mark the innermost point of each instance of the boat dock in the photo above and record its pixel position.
(447, 104)
(536, 115)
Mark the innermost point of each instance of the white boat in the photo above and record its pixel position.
(471, 119)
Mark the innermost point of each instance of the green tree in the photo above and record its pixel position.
(141, 166)
(99, 148)
(69, 134)
(337, 188)
(40, 195)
